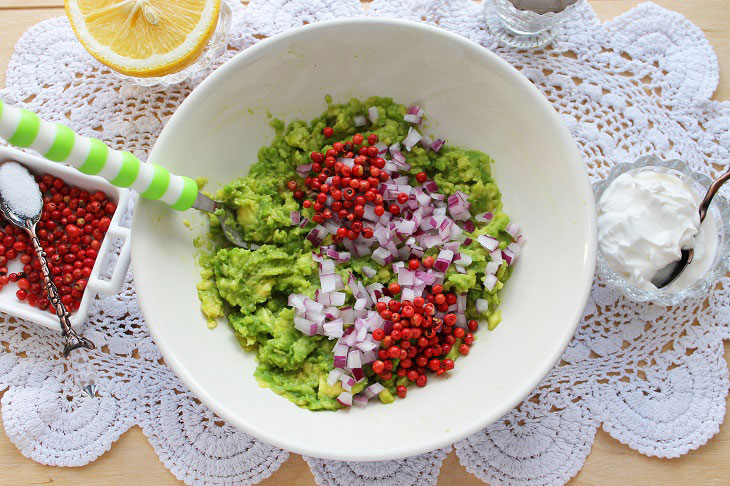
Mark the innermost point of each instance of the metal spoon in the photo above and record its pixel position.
(81, 368)
(121, 169)
(671, 272)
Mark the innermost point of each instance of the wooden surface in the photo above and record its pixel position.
(131, 460)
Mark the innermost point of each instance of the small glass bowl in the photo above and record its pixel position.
(719, 210)
(523, 28)
(216, 47)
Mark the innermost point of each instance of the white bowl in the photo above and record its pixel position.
(96, 283)
(473, 99)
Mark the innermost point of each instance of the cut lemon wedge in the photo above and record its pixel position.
(144, 37)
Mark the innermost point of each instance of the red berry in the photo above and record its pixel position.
(357, 139)
(421, 177)
(401, 390)
(428, 261)
(473, 325)
(421, 380)
(328, 132)
(378, 366)
(402, 198)
(464, 349)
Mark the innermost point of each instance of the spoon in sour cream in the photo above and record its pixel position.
(671, 272)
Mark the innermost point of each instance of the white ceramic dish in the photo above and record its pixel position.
(9, 303)
(473, 99)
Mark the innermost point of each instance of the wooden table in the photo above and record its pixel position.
(132, 460)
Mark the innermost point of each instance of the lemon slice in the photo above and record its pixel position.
(144, 37)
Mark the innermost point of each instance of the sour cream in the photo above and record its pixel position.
(645, 219)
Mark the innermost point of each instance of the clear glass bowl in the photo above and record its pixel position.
(523, 28)
(216, 47)
(719, 210)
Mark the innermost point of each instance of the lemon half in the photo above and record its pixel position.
(144, 37)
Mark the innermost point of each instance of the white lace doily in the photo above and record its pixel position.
(655, 380)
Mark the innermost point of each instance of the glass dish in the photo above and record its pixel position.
(719, 210)
(216, 47)
(532, 26)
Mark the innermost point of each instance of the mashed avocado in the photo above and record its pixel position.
(251, 286)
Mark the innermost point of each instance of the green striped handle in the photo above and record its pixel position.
(59, 143)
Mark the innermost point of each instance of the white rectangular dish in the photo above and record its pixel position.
(9, 304)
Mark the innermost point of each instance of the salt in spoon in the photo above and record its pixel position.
(21, 203)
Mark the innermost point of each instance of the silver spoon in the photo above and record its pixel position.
(81, 368)
(671, 272)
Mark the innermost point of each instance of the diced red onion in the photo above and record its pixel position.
(333, 329)
(360, 304)
(359, 120)
(412, 119)
(317, 234)
(415, 110)
(489, 243)
(327, 282)
(411, 139)
(437, 144)
(407, 294)
(303, 222)
(490, 281)
(453, 246)
(304, 169)
(460, 269)
(311, 305)
(296, 217)
(322, 297)
(460, 302)
(373, 390)
(369, 356)
(513, 229)
(464, 260)
(315, 316)
(443, 260)
(429, 241)
(492, 268)
(496, 256)
(340, 353)
(305, 326)
(508, 256)
(373, 114)
(426, 141)
(366, 346)
(368, 271)
(358, 374)
(361, 334)
(469, 226)
(406, 276)
(482, 305)
(345, 399)
(360, 400)
(347, 315)
(426, 277)
(354, 359)
(484, 217)
(297, 301)
(334, 376)
(382, 256)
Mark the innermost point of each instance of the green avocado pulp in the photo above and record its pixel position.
(250, 288)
